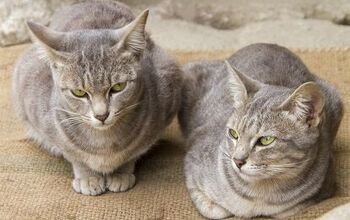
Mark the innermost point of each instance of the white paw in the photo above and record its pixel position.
(207, 207)
(91, 186)
(120, 182)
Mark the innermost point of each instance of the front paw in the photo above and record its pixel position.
(207, 207)
(120, 182)
(91, 186)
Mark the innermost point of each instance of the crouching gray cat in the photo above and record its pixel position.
(96, 90)
(260, 131)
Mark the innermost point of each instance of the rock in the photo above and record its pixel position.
(174, 34)
(231, 14)
(14, 13)
(207, 24)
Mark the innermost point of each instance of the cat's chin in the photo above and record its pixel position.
(251, 178)
(248, 175)
(102, 127)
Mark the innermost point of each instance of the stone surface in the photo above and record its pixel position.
(14, 13)
(295, 33)
(210, 25)
(231, 14)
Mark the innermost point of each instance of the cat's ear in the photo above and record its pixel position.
(133, 38)
(241, 86)
(49, 41)
(306, 103)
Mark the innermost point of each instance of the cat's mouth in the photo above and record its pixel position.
(251, 172)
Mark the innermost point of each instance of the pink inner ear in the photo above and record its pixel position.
(311, 114)
(306, 103)
(314, 111)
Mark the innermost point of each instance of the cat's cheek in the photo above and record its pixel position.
(230, 145)
(83, 107)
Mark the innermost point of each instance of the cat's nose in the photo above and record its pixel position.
(102, 117)
(239, 162)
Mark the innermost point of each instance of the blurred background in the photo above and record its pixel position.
(210, 25)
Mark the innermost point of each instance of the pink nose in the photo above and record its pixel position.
(239, 163)
(103, 117)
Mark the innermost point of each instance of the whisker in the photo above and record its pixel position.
(72, 113)
(226, 154)
(288, 165)
(75, 118)
(64, 110)
(126, 109)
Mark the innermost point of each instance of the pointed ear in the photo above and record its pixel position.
(241, 86)
(49, 40)
(133, 35)
(306, 103)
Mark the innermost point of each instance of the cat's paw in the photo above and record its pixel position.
(207, 207)
(120, 182)
(91, 186)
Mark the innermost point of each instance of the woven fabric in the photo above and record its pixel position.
(34, 185)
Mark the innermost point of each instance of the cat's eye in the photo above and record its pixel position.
(78, 93)
(233, 133)
(118, 87)
(266, 140)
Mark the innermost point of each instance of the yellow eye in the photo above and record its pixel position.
(78, 92)
(118, 87)
(233, 133)
(266, 140)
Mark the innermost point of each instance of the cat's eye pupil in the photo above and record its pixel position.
(233, 133)
(78, 93)
(118, 87)
(266, 140)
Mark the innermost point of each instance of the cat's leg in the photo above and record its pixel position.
(87, 182)
(123, 179)
(207, 207)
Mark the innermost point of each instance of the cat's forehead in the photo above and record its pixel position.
(98, 69)
(259, 113)
(89, 40)
(100, 59)
(264, 121)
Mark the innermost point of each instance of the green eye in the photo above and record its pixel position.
(118, 87)
(266, 140)
(78, 92)
(233, 133)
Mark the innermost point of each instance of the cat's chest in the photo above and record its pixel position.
(250, 207)
(244, 202)
(105, 161)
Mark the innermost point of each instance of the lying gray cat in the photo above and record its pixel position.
(260, 131)
(98, 91)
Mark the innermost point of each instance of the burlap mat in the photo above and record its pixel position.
(34, 185)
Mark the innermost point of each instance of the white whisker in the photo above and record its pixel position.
(128, 108)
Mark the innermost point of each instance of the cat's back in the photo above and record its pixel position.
(205, 101)
(31, 78)
(92, 15)
(271, 64)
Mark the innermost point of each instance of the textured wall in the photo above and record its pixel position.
(209, 24)
(14, 13)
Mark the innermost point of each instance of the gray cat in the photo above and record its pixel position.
(260, 130)
(96, 90)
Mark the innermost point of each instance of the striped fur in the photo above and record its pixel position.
(92, 46)
(263, 90)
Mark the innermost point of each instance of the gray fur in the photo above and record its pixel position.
(92, 46)
(265, 90)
